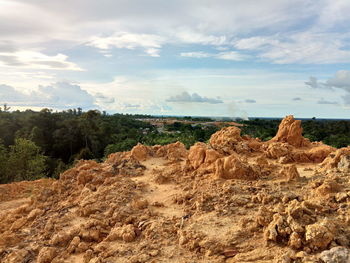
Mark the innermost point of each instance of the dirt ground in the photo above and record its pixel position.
(243, 201)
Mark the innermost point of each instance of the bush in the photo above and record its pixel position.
(25, 161)
(125, 145)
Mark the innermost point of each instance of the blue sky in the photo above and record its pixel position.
(181, 57)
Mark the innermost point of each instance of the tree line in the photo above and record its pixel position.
(332, 132)
(45, 143)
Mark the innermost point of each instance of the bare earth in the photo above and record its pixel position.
(235, 199)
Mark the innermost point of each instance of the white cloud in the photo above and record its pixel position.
(149, 42)
(282, 32)
(323, 101)
(36, 60)
(340, 81)
(227, 55)
(196, 54)
(153, 52)
(185, 97)
(313, 83)
(231, 55)
(302, 48)
(60, 95)
(102, 99)
(192, 37)
(250, 101)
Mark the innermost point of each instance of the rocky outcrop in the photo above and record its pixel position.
(140, 152)
(298, 227)
(226, 139)
(231, 167)
(287, 153)
(199, 154)
(319, 152)
(173, 152)
(290, 131)
(334, 158)
(215, 203)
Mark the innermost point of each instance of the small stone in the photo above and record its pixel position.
(230, 253)
(335, 255)
(46, 255)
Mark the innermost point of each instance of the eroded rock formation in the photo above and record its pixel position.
(216, 202)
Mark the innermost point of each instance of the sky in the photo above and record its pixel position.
(233, 58)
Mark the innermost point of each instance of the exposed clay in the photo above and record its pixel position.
(235, 199)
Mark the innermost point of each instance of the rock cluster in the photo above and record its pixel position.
(214, 202)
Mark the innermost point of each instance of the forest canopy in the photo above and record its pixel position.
(45, 143)
(52, 141)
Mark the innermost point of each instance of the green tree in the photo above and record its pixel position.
(122, 146)
(89, 123)
(25, 161)
(3, 163)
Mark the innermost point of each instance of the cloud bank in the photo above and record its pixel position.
(339, 82)
(60, 95)
(186, 97)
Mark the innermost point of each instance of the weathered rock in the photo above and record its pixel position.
(226, 139)
(319, 152)
(173, 152)
(276, 150)
(295, 240)
(232, 167)
(344, 163)
(318, 236)
(140, 152)
(34, 213)
(333, 158)
(126, 233)
(290, 172)
(199, 154)
(211, 156)
(329, 186)
(290, 131)
(73, 244)
(277, 229)
(335, 255)
(46, 255)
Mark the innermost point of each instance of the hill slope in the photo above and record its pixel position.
(235, 199)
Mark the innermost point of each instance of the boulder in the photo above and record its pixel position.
(232, 167)
(140, 152)
(344, 163)
(329, 186)
(173, 152)
(275, 150)
(318, 236)
(197, 155)
(318, 153)
(46, 255)
(335, 255)
(226, 139)
(333, 158)
(200, 154)
(290, 172)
